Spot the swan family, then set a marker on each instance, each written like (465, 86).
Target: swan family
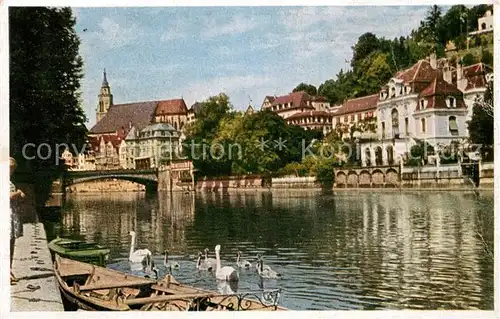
(143, 257)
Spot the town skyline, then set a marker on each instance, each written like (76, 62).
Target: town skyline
(125, 43)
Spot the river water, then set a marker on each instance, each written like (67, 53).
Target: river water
(347, 250)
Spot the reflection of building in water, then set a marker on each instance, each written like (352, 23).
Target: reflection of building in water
(176, 213)
(107, 220)
(427, 246)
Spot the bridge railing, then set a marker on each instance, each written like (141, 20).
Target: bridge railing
(114, 172)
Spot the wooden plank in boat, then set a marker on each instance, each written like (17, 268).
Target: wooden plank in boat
(110, 285)
(138, 301)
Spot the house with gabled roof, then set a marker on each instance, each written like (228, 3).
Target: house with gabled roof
(300, 108)
(424, 102)
(115, 121)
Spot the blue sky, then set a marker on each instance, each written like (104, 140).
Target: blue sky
(246, 52)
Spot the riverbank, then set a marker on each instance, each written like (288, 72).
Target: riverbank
(37, 288)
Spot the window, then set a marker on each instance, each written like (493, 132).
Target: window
(406, 126)
(422, 122)
(422, 104)
(483, 26)
(395, 123)
(451, 102)
(393, 91)
(453, 125)
(352, 118)
(346, 119)
(383, 129)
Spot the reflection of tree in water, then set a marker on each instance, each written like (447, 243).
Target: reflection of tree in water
(396, 247)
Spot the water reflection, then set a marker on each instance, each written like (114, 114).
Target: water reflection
(340, 251)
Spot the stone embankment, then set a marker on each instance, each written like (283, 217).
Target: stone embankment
(37, 288)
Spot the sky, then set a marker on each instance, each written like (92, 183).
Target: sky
(246, 52)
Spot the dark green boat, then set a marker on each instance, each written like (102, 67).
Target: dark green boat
(80, 250)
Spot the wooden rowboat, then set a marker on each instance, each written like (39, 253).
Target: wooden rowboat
(80, 250)
(91, 287)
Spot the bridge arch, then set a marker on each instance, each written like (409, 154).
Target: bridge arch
(148, 179)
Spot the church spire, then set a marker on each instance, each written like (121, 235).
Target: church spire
(105, 80)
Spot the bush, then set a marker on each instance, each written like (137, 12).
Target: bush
(487, 57)
(468, 59)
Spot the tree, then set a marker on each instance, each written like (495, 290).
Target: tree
(367, 43)
(453, 23)
(45, 74)
(377, 73)
(199, 144)
(433, 26)
(482, 122)
(468, 59)
(487, 57)
(308, 88)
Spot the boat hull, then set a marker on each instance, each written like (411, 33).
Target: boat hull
(80, 251)
(90, 287)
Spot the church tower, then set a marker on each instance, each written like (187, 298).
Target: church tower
(105, 99)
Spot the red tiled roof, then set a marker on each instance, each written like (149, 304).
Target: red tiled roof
(114, 139)
(270, 98)
(360, 104)
(420, 71)
(298, 100)
(437, 92)
(119, 117)
(440, 86)
(319, 99)
(177, 106)
(476, 75)
(139, 114)
(95, 141)
(308, 114)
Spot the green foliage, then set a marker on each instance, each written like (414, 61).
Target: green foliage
(308, 88)
(248, 144)
(419, 153)
(377, 72)
(45, 74)
(375, 59)
(468, 59)
(487, 57)
(482, 122)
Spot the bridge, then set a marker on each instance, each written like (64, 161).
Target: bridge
(176, 176)
(146, 177)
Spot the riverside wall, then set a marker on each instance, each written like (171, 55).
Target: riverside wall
(112, 185)
(443, 177)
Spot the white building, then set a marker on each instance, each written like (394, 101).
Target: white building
(484, 24)
(424, 102)
(148, 147)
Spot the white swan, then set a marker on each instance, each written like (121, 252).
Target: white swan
(266, 271)
(242, 263)
(170, 264)
(227, 273)
(138, 255)
(209, 263)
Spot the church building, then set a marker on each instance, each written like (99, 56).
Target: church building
(108, 137)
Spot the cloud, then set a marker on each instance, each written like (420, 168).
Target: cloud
(230, 85)
(111, 34)
(238, 24)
